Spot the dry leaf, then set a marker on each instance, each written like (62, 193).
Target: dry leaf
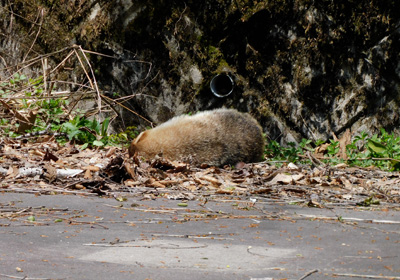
(36, 152)
(321, 150)
(341, 165)
(293, 166)
(111, 152)
(286, 179)
(93, 168)
(12, 172)
(79, 187)
(131, 183)
(50, 173)
(223, 191)
(212, 180)
(343, 142)
(130, 170)
(50, 156)
(155, 184)
(347, 184)
(25, 122)
(88, 174)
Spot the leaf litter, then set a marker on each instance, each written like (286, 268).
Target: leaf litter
(48, 168)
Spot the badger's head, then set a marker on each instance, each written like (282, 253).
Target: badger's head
(134, 147)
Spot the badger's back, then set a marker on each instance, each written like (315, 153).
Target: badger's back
(217, 137)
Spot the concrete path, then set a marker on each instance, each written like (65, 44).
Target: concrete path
(80, 237)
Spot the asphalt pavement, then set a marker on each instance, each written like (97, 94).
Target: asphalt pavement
(90, 237)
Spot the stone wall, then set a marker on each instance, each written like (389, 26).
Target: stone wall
(305, 69)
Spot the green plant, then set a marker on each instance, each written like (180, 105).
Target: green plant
(387, 147)
(333, 148)
(52, 107)
(381, 150)
(4, 122)
(125, 137)
(353, 150)
(17, 78)
(305, 144)
(87, 132)
(369, 201)
(290, 153)
(9, 87)
(48, 111)
(319, 142)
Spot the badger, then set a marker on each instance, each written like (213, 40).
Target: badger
(217, 137)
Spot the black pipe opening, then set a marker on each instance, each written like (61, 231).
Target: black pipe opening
(222, 85)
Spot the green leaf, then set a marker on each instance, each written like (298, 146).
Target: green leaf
(95, 126)
(376, 146)
(69, 126)
(368, 202)
(98, 143)
(73, 133)
(31, 218)
(84, 146)
(104, 127)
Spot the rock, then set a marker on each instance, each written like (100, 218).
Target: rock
(307, 69)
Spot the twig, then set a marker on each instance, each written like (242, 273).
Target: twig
(351, 219)
(30, 62)
(62, 62)
(86, 223)
(34, 60)
(213, 211)
(308, 274)
(39, 133)
(373, 158)
(135, 245)
(25, 278)
(95, 87)
(315, 160)
(123, 106)
(145, 86)
(83, 67)
(179, 19)
(126, 61)
(23, 210)
(366, 276)
(41, 191)
(197, 236)
(37, 35)
(145, 210)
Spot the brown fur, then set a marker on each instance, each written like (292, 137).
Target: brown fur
(217, 137)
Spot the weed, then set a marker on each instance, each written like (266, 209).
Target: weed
(333, 148)
(87, 132)
(291, 153)
(276, 152)
(381, 150)
(51, 113)
(124, 137)
(369, 202)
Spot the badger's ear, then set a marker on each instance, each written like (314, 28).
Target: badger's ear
(132, 148)
(141, 137)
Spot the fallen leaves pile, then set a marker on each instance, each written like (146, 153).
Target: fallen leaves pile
(43, 167)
